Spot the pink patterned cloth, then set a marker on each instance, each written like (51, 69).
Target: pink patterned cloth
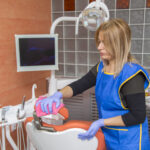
(39, 111)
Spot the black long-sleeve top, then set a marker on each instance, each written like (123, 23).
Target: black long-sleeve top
(132, 94)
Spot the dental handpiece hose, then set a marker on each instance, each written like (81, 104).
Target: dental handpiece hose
(3, 127)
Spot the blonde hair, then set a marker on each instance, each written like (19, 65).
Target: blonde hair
(117, 40)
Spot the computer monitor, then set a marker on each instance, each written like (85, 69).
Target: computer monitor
(36, 52)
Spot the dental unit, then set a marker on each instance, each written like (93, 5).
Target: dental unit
(12, 117)
(43, 131)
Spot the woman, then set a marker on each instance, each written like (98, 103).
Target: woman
(120, 91)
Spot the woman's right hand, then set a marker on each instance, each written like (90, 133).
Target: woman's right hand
(56, 97)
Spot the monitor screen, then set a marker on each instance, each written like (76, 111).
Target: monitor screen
(37, 52)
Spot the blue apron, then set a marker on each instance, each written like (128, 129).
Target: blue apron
(109, 105)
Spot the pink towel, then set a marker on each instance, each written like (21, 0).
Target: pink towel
(39, 111)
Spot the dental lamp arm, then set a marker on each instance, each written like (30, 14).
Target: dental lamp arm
(52, 83)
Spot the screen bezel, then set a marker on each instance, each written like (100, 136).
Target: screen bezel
(38, 67)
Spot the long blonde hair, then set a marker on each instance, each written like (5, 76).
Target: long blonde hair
(117, 40)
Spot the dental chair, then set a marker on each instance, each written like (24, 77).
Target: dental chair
(52, 134)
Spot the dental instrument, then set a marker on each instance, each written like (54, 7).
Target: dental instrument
(21, 111)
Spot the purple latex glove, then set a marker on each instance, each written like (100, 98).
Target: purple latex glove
(92, 130)
(49, 101)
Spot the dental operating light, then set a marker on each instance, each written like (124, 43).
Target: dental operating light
(93, 15)
(92, 18)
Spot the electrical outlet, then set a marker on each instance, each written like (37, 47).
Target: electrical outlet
(13, 127)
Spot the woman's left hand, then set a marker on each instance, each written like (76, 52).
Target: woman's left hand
(92, 130)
